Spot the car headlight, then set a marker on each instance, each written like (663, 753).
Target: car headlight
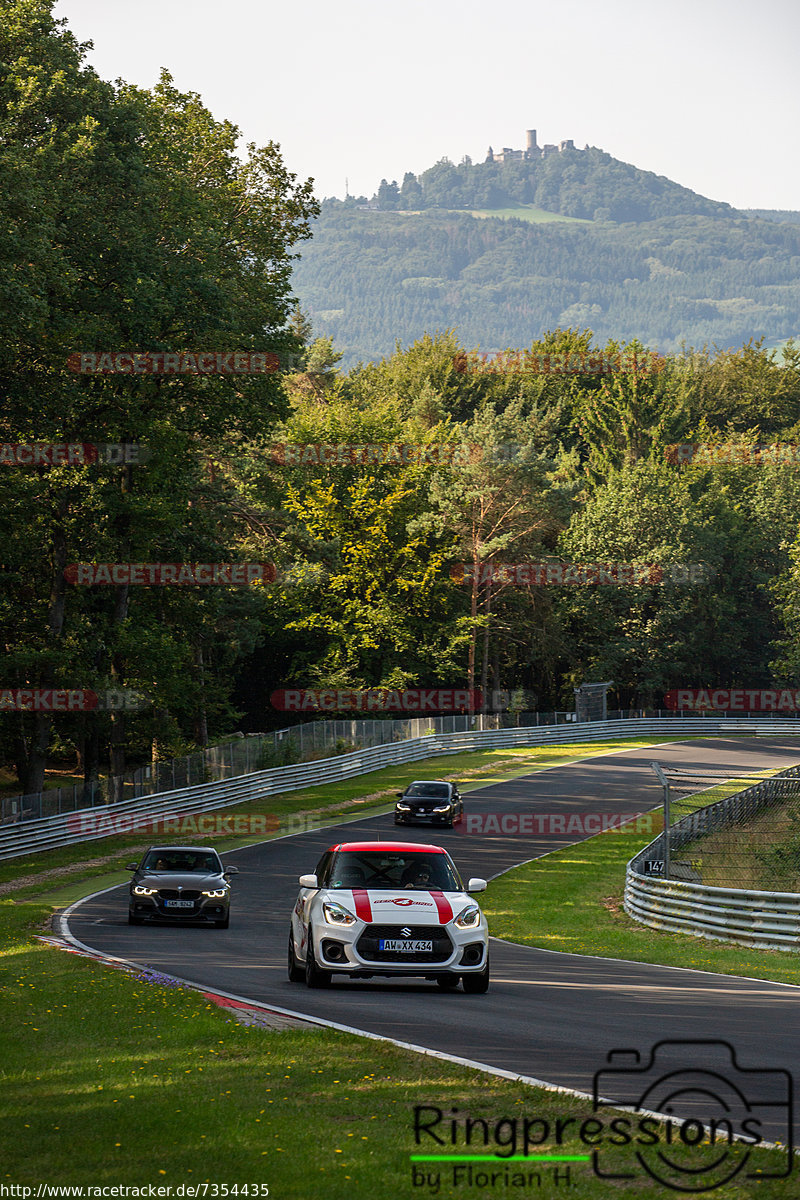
(335, 914)
(216, 893)
(405, 807)
(442, 808)
(141, 890)
(469, 918)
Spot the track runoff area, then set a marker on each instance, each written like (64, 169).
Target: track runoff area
(565, 1020)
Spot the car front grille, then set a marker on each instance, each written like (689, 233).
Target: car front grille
(173, 894)
(367, 944)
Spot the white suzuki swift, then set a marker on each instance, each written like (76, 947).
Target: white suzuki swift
(388, 908)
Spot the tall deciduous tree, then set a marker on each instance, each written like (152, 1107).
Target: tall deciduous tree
(133, 226)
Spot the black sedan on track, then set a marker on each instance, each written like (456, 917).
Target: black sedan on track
(180, 883)
(429, 802)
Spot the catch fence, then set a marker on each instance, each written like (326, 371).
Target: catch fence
(727, 865)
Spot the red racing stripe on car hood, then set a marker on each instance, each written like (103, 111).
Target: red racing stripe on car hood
(363, 906)
(442, 907)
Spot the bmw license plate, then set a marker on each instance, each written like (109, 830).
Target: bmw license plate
(404, 945)
(179, 904)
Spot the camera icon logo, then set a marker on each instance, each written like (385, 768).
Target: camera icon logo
(696, 1115)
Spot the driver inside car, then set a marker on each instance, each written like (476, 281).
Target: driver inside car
(418, 875)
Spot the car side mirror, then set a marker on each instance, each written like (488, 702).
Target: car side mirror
(132, 867)
(400, 795)
(231, 871)
(477, 885)
(308, 881)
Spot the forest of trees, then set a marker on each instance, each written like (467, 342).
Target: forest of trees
(371, 278)
(134, 226)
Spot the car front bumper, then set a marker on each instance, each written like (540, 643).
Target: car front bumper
(350, 951)
(418, 818)
(153, 908)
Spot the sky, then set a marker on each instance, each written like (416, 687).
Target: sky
(705, 92)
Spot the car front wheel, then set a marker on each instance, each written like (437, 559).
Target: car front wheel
(296, 973)
(315, 978)
(479, 982)
(447, 982)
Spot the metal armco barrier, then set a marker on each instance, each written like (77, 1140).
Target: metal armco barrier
(761, 920)
(24, 836)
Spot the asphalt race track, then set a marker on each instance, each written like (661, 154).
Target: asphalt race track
(547, 1015)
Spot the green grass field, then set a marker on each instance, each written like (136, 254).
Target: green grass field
(525, 212)
(113, 1079)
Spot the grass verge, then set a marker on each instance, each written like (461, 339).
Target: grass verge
(571, 900)
(108, 1079)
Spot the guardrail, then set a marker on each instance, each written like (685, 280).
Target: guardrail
(24, 836)
(761, 920)
(242, 755)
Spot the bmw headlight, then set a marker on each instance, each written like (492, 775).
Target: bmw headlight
(469, 918)
(442, 808)
(141, 890)
(405, 807)
(335, 914)
(216, 893)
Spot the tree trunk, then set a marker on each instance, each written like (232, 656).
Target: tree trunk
(473, 640)
(117, 740)
(201, 716)
(31, 753)
(485, 664)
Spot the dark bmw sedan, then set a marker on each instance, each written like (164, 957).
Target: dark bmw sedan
(429, 802)
(184, 883)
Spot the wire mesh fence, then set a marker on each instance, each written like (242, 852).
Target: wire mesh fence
(283, 747)
(255, 752)
(741, 832)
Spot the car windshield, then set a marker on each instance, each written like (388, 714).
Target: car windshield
(184, 861)
(393, 870)
(437, 790)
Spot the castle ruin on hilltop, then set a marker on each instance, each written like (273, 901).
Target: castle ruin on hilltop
(532, 150)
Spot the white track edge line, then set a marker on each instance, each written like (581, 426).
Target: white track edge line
(442, 1055)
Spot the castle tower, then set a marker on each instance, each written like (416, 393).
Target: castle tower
(490, 155)
(530, 140)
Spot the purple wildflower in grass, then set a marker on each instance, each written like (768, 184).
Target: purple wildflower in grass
(158, 978)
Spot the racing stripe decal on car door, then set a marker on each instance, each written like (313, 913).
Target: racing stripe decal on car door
(442, 907)
(363, 906)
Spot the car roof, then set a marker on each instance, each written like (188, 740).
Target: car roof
(414, 782)
(182, 849)
(393, 847)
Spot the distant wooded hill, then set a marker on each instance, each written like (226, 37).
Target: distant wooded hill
(589, 184)
(646, 258)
